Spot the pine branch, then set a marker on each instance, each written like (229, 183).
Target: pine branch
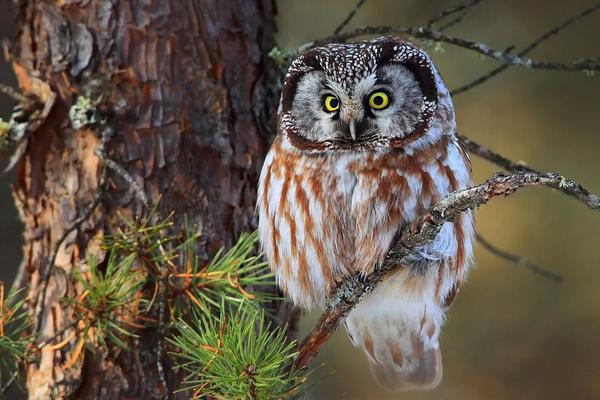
(422, 231)
(236, 355)
(14, 343)
(234, 277)
(109, 305)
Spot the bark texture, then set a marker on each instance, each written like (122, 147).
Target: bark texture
(185, 85)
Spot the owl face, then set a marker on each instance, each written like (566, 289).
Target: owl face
(355, 96)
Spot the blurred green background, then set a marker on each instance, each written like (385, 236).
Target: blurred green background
(510, 334)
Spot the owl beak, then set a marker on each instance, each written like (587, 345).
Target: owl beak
(352, 128)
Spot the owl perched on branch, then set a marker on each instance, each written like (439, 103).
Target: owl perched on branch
(366, 143)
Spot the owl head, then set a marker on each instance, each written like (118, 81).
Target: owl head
(377, 94)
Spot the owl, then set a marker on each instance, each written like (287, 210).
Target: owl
(366, 143)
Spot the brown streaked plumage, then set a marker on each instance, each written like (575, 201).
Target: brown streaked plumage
(343, 178)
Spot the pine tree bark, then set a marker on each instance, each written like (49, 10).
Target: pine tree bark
(186, 87)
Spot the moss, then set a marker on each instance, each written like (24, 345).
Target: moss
(83, 113)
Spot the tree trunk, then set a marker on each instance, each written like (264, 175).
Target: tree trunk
(186, 87)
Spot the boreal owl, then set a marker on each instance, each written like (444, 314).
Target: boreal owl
(366, 143)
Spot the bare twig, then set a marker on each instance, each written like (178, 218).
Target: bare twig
(349, 17)
(518, 260)
(122, 172)
(548, 34)
(422, 231)
(589, 64)
(47, 341)
(14, 94)
(161, 332)
(10, 382)
(568, 187)
(464, 9)
(490, 155)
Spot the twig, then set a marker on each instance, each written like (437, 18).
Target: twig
(454, 21)
(551, 32)
(39, 307)
(9, 383)
(47, 341)
(122, 172)
(466, 7)
(141, 196)
(568, 187)
(349, 17)
(590, 64)
(492, 156)
(161, 332)
(518, 260)
(12, 92)
(420, 232)
(459, 18)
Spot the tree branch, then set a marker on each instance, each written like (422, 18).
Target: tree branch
(425, 32)
(14, 94)
(548, 34)
(422, 231)
(465, 8)
(349, 17)
(568, 186)
(517, 260)
(10, 382)
(589, 64)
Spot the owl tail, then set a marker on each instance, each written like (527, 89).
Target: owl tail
(397, 326)
(418, 369)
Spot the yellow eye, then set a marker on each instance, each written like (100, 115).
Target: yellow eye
(331, 103)
(379, 100)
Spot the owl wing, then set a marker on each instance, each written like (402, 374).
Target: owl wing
(464, 152)
(398, 324)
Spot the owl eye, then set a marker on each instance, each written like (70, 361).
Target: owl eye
(379, 100)
(331, 103)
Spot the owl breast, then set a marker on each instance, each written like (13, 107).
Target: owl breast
(324, 216)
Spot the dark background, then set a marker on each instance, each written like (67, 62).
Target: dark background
(510, 334)
(10, 226)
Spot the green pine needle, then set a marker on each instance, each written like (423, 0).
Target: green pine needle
(148, 240)
(235, 276)
(109, 303)
(14, 321)
(237, 355)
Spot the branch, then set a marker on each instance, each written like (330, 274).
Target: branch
(422, 231)
(162, 287)
(14, 94)
(465, 8)
(517, 260)
(568, 186)
(9, 383)
(548, 34)
(423, 32)
(349, 17)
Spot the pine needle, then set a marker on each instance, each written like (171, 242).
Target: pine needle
(236, 355)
